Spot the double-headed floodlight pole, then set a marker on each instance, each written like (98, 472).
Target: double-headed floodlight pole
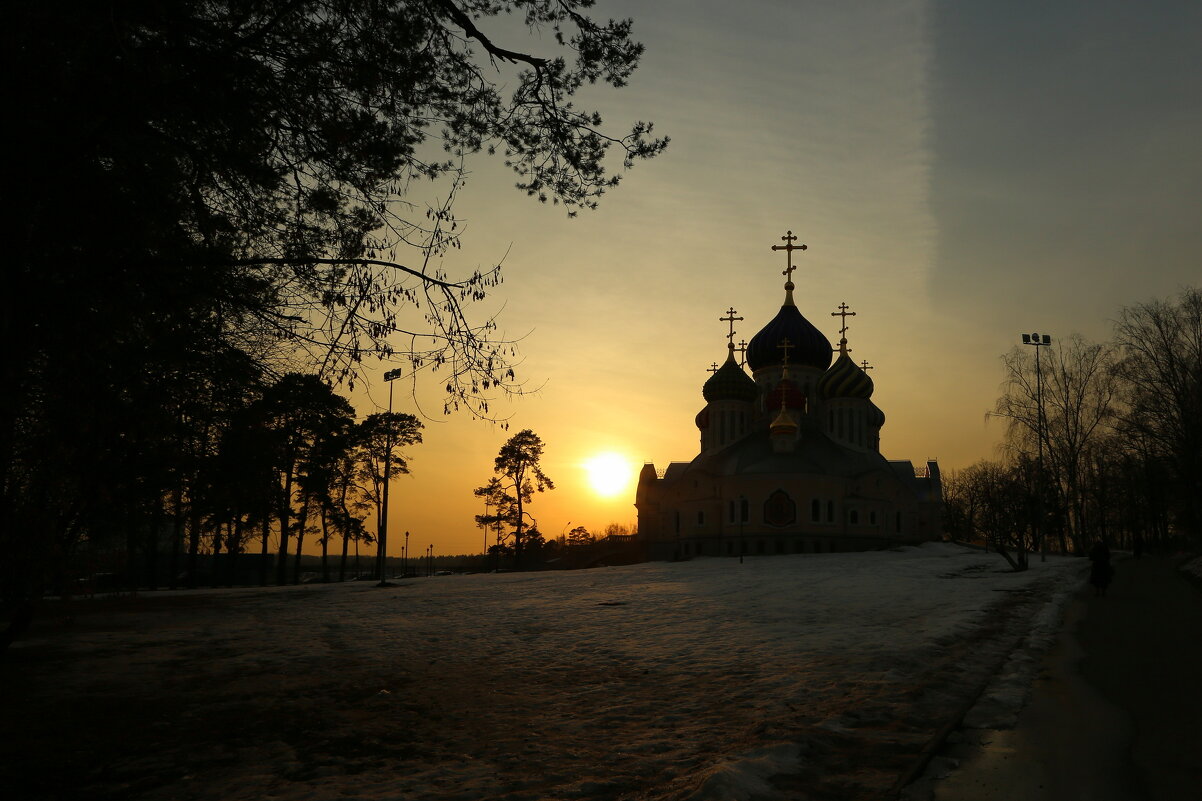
(1038, 341)
(382, 534)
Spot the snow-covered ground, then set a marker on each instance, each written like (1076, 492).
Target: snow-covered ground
(789, 676)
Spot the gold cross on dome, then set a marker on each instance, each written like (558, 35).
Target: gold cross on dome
(713, 368)
(844, 313)
(865, 365)
(731, 319)
(788, 248)
(786, 346)
(742, 351)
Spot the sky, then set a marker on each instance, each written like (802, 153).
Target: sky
(961, 172)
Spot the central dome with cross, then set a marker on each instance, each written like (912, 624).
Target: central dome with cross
(804, 345)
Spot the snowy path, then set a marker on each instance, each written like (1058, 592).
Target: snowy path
(695, 680)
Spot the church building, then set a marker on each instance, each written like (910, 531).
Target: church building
(790, 457)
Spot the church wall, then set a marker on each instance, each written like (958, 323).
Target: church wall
(845, 420)
(726, 422)
(722, 516)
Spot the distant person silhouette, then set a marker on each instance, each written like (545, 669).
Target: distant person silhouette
(1100, 573)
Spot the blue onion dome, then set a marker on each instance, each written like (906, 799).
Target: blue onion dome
(786, 395)
(809, 348)
(730, 382)
(845, 379)
(876, 418)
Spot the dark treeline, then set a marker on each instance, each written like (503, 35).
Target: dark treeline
(260, 471)
(213, 224)
(1117, 455)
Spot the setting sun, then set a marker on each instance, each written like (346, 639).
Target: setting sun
(608, 473)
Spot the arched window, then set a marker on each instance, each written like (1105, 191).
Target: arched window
(830, 511)
(853, 517)
(779, 509)
(815, 511)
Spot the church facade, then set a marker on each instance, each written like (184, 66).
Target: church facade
(789, 457)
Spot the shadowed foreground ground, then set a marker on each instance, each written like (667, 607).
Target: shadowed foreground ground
(1116, 713)
(820, 677)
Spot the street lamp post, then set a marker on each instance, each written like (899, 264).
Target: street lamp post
(1039, 341)
(742, 542)
(382, 534)
(405, 557)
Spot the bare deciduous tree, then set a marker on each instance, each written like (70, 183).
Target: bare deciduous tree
(1079, 388)
(1161, 366)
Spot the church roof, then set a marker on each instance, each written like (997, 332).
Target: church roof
(845, 379)
(876, 418)
(784, 423)
(815, 454)
(730, 382)
(807, 346)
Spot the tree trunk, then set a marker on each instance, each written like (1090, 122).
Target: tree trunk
(517, 537)
(215, 578)
(235, 549)
(263, 551)
(152, 544)
(285, 519)
(177, 534)
(301, 522)
(193, 544)
(342, 564)
(325, 547)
